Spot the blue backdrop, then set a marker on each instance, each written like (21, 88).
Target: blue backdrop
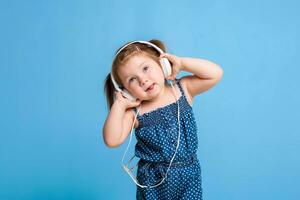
(56, 54)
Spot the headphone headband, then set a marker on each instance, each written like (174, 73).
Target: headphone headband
(126, 45)
(142, 42)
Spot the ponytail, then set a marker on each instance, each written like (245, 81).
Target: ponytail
(109, 91)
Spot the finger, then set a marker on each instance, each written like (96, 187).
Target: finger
(162, 55)
(120, 95)
(165, 55)
(170, 77)
(173, 74)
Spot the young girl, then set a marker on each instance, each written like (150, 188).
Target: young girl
(167, 168)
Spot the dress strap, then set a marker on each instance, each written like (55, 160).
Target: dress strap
(180, 87)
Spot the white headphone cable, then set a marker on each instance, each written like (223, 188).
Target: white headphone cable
(125, 167)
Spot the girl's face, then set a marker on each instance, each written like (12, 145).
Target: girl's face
(142, 77)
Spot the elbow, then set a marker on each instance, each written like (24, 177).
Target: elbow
(219, 74)
(217, 77)
(220, 70)
(110, 143)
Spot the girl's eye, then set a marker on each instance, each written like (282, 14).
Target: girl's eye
(146, 68)
(131, 79)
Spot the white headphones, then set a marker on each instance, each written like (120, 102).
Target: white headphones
(165, 64)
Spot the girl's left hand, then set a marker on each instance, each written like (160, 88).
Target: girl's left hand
(176, 64)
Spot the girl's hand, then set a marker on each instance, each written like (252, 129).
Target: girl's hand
(126, 103)
(176, 64)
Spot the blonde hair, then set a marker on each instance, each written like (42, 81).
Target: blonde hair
(121, 59)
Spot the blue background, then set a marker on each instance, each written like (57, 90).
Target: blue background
(56, 54)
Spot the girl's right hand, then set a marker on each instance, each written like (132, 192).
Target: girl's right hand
(126, 103)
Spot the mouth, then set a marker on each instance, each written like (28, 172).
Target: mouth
(150, 88)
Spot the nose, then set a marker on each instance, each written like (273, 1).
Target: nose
(143, 80)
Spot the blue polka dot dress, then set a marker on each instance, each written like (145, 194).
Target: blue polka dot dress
(157, 136)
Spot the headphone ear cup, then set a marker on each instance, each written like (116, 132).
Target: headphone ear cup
(166, 67)
(124, 92)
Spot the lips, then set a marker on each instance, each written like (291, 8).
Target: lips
(150, 87)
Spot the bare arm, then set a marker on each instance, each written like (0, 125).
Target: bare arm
(206, 73)
(118, 123)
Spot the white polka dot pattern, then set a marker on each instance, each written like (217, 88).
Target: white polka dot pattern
(156, 143)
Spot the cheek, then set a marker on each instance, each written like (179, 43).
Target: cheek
(135, 90)
(158, 76)
(157, 73)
